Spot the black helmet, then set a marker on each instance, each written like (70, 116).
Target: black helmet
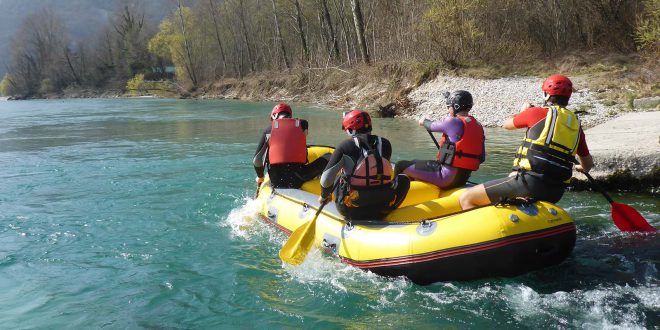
(459, 100)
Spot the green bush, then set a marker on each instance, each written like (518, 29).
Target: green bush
(46, 87)
(647, 32)
(138, 86)
(5, 86)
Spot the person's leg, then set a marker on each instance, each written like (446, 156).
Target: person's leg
(544, 189)
(493, 191)
(473, 197)
(401, 165)
(401, 186)
(433, 172)
(315, 168)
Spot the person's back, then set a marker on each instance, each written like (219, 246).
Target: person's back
(546, 157)
(283, 151)
(461, 149)
(360, 174)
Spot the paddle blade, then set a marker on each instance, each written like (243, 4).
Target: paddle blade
(299, 243)
(628, 219)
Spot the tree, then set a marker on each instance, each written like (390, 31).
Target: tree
(279, 36)
(359, 28)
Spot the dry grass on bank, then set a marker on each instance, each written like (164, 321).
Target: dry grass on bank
(617, 79)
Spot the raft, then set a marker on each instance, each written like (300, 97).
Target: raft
(429, 238)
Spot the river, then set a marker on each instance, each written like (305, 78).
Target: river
(137, 213)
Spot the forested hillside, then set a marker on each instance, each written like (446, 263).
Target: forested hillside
(82, 18)
(210, 40)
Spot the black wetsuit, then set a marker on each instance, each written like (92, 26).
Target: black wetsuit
(285, 175)
(361, 203)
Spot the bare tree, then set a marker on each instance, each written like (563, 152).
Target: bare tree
(279, 36)
(359, 28)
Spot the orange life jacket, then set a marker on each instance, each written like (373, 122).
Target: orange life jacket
(287, 143)
(371, 168)
(467, 152)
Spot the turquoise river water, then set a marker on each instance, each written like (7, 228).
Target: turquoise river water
(137, 213)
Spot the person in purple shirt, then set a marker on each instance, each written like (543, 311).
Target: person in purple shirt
(461, 148)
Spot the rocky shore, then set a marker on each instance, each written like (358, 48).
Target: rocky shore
(626, 152)
(498, 99)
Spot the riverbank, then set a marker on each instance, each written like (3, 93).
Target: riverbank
(626, 153)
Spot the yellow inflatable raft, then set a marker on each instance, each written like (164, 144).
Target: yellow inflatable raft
(429, 239)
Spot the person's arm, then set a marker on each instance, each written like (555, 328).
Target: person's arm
(439, 126)
(583, 155)
(335, 164)
(586, 164)
(386, 148)
(260, 156)
(305, 126)
(508, 124)
(525, 119)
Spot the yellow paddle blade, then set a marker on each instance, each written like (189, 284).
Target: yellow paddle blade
(299, 243)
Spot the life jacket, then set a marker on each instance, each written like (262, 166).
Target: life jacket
(550, 146)
(287, 142)
(371, 169)
(467, 152)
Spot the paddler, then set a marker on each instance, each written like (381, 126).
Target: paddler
(545, 160)
(360, 173)
(461, 149)
(282, 150)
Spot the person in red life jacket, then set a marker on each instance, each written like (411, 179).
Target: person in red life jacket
(282, 150)
(461, 150)
(360, 173)
(545, 159)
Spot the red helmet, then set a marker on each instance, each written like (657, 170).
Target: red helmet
(279, 109)
(557, 85)
(356, 120)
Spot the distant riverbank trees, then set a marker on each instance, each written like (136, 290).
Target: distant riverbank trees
(208, 40)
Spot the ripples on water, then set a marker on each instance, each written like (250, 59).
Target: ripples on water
(138, 214)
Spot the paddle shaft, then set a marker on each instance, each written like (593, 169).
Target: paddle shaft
(598, 187)
(434, 140)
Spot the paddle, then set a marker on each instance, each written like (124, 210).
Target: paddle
(256, 194)
(624, 216)
(295, 249)
(434, 140)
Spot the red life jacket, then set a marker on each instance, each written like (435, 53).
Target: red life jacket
(467, 152)
(371, 168)
(287, 143)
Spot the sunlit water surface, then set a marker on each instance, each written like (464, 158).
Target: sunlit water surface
(138, 214)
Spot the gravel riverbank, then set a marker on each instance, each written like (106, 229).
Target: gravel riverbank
(498, 99)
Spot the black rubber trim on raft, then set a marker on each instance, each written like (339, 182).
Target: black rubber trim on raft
(516, 256)
(461, 250)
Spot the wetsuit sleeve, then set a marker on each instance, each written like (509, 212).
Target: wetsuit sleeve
(304, 124)
(582, 150)
(336, 163)
(529, 117)
(387, 149)
(260, 155)
(439, 126)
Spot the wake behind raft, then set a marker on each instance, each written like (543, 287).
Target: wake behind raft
(428, 238)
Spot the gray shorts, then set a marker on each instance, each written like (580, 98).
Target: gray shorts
(525, 185)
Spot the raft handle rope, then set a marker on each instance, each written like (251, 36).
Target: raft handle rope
(352, 223)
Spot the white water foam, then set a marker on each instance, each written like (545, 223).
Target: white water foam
(617, 307)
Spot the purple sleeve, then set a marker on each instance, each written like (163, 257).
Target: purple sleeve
(451, 126)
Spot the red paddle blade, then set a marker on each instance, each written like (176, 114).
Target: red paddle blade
(628, 219)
